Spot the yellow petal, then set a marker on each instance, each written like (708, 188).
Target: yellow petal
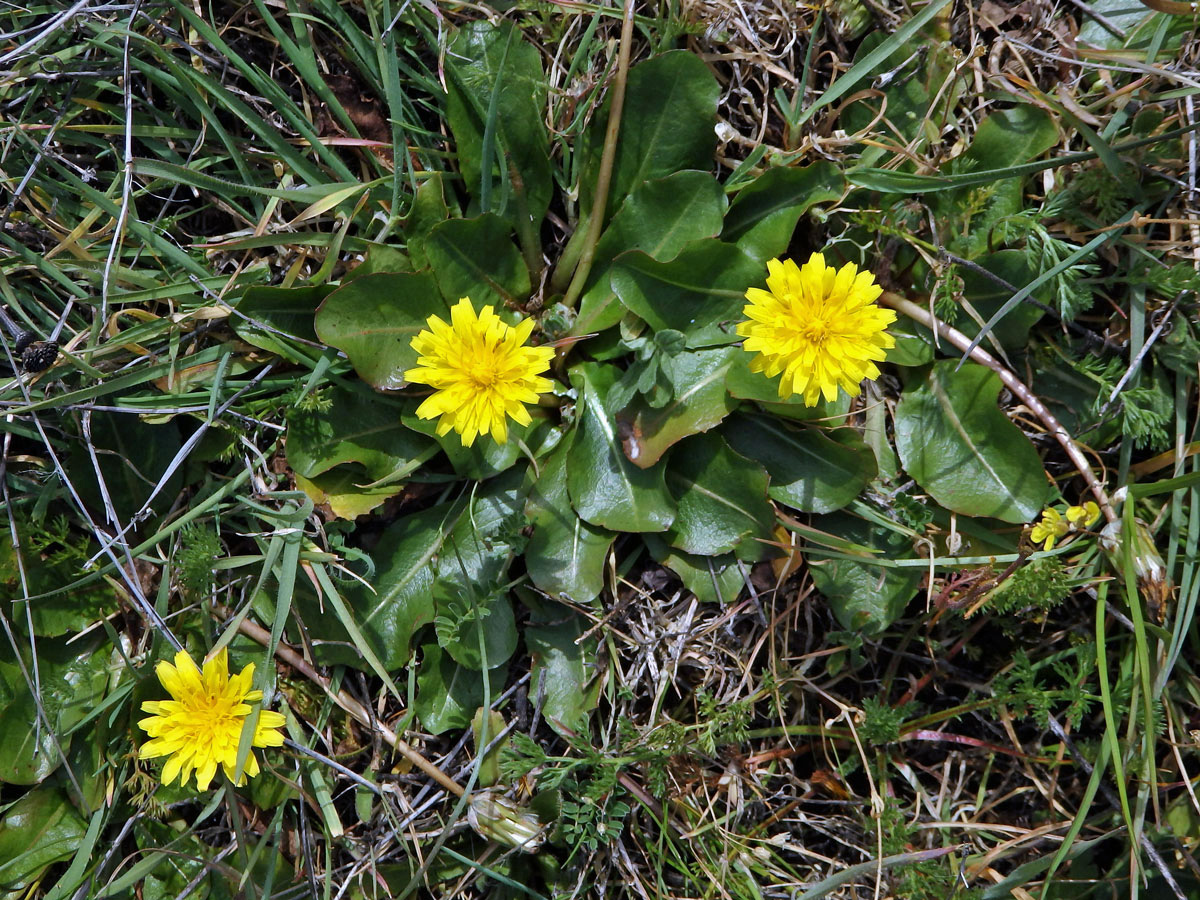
(171, 769)
(205, 772)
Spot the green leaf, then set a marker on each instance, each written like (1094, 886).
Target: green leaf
(495, 105)
(463, 624)
(373, 320)
(809, 470)
(265, 310)
(963, 450)
(399, 599)
(53, 557)
(476, 258)
(721, 497)
(764, 214)
(478, 547)
(713, 579)
(606, 489)
(699, 402)
(380, 258)
(744, 384)
(667, 125)
(701, 292)
(72, 679)
(565, 555)
(133, 457)
(1009, 136)
(1126, 16)
(663, 216)
(660, 218)
(914, 343)
(889, 181)
(38, 830)
(564, 668)
(462, 547)
(485, 458)
(347, 491)
(359, 426)
(864, 596)
(429, 209)
(448, 694)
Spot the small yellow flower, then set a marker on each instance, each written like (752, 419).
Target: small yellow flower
(481, 372)
(200, 726)
(817, 325)
(1049, 529)
(1084, 516)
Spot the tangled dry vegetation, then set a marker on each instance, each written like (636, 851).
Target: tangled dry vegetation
(169, 164)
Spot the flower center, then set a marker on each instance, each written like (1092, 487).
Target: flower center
(815, 331)
(483, 372)
(211, 712)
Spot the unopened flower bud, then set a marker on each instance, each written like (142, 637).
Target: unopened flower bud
(499, 819)
(1148, 564)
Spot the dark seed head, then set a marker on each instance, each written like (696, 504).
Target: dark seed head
(39, 356)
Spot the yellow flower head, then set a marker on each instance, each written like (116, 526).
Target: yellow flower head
(1084, 516)
(1049, 529)
(817, 325)
(481, 372)
(201, 725)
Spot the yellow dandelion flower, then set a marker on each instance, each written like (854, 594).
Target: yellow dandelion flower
(817, 325)
(1084, 516)
(200, 727)
(481, 372)
(1049, 529)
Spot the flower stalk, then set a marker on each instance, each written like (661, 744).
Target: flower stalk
(595, 222)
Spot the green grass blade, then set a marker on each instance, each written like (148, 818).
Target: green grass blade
(1111, 735)
(869, 63)
(1085, 805)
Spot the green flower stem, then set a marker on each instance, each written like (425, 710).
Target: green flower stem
(1014, 384)
(560, 278)
(604, 177)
